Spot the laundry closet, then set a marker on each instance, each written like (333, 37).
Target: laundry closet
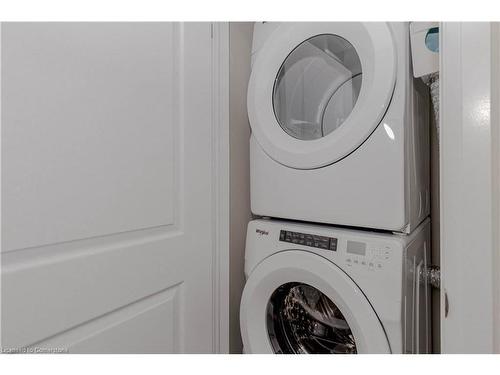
(250, 187)
(343, 174)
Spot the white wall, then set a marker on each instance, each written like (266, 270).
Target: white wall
(240, 43)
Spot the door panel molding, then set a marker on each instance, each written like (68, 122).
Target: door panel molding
(157, 310)
(76, 177)
(124, 273)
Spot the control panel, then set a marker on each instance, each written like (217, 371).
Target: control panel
(311, 240)
(373, 258)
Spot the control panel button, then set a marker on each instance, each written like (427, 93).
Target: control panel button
(333, 244)
(311, 240)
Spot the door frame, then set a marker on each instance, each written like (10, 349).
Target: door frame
(469, 174)
(220, 183)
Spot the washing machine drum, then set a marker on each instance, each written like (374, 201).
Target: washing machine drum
(318, 90)
(299, 302)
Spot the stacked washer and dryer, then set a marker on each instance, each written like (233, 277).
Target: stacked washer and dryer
(340, 176)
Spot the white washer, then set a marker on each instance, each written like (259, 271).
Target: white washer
(318, 289)
(339, 125)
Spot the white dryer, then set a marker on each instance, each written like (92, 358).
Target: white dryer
(318, 289)
(339, 125)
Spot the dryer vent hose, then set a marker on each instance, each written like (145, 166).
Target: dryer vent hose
(431, 275)
(432, 80)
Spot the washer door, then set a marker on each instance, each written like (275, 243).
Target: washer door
(299, 302)
(318, 90)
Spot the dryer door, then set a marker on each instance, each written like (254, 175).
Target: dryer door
(299, 302)
(318, 90)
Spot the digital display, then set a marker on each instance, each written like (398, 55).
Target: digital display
(312, 240)
(358, 248)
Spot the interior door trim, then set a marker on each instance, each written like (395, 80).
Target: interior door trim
(220, 183)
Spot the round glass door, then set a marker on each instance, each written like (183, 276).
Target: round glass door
(298, 302)
(317, 87)
(301, 319)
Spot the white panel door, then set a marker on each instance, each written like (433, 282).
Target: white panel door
(107, 187)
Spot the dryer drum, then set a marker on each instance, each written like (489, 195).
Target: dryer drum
(317, 87)
(301, 319)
